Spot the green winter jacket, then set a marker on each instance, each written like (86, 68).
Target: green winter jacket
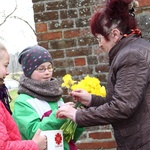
(29, 116)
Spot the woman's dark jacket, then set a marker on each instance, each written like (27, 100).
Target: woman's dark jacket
(127, 104)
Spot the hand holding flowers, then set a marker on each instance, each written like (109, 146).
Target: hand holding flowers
(66, 111)
(80, 90)
(89, 84)
(81, 96)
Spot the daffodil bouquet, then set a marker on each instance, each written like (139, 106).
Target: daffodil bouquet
(89, 84)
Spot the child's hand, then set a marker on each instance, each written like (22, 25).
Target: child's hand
(40, 140)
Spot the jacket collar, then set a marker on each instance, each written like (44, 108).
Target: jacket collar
(120, 45)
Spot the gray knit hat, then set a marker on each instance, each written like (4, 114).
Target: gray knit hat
(32, 57)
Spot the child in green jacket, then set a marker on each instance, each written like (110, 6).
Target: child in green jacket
(39, 96)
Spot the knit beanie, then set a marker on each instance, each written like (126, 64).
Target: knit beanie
(32, 57)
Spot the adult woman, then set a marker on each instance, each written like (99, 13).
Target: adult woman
(126, 106)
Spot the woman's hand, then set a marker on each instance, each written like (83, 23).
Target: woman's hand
(81, 96)
(66, 111)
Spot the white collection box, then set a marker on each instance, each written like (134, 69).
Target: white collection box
(54, 139)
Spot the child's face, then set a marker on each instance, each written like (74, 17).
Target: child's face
(43, 72)
(4, 62)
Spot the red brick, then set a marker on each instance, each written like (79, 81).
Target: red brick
(57, 54)
(56, 5)
(38, 7)
(63, 63)
(78, 52)
(59, 72)
(96, 145)
(45, 16)
(86, 40)
(49, 36)
(82, 22)
(100, 135)
(44, 44)
(85, 12)
(80, 61)
(63, 43)
(41, 27)
(85, 32)
(71, 33)
(102, 68)
(109, 144)
(65, 14)
(144, 3)
(64, 24)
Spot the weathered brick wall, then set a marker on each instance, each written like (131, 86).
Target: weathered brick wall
(62, 26)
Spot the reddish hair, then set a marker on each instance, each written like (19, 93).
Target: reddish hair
(115, 14)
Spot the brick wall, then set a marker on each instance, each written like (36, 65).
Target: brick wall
(62, 26)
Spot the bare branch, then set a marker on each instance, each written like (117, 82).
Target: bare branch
(16, 17)
(9, 15)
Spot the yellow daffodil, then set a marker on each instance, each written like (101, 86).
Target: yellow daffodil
(68, 82)
(89, 84)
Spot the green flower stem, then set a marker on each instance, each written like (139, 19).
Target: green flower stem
(69, 127)
(78, 105)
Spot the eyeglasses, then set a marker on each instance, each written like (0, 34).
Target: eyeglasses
(99, 37)
(43, 69)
